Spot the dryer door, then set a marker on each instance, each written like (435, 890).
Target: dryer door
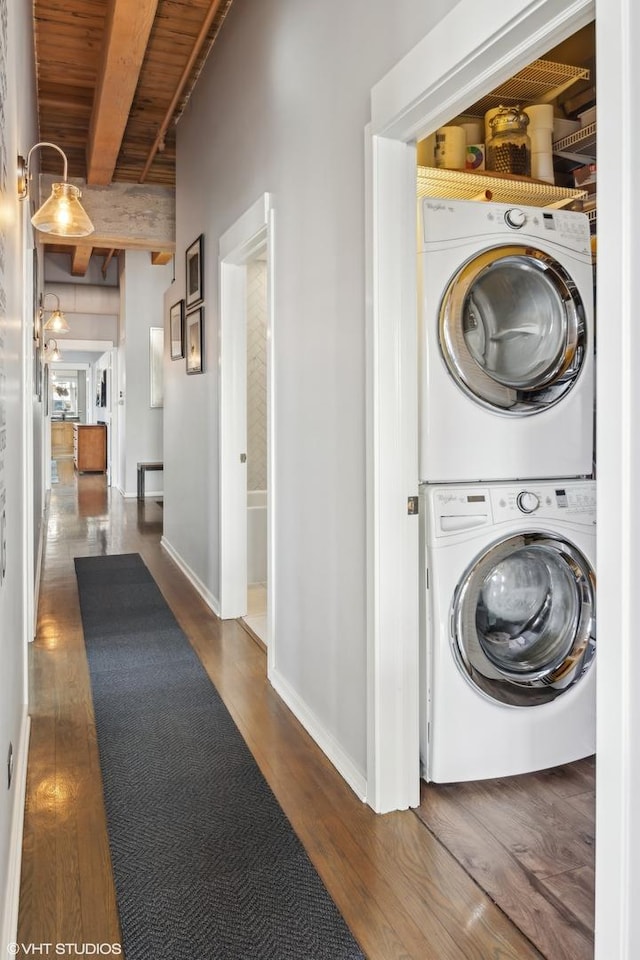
(512, 330)
(524, 619)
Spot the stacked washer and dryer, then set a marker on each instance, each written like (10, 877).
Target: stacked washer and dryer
(508, 503)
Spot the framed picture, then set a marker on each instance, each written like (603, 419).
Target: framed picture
(194, 284)
(193, 341)
(176, 330)
(156, 356)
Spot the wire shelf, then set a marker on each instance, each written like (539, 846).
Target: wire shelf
(541, 82)
(459, 185)
(582, 142)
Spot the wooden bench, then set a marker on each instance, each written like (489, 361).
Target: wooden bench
(143, 466)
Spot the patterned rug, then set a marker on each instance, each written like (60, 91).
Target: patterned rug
(206, 864)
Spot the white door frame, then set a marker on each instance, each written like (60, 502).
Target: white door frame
(472, 50)
(250, 235)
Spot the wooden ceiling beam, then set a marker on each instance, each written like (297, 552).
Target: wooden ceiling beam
(158, 143)
(80, 257)
(160, 257)
(107, 261)
(125, 216)
(127, 33)
(115, 241)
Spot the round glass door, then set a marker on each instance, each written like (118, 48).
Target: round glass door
(524, 619)
(512, 330)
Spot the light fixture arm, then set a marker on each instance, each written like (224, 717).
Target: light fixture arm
(52, 353)
(57, 320)
(49, 293)
(24, 170)
(62, 214)
(46, 143)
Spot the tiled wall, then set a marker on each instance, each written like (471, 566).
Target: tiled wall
(257, 375)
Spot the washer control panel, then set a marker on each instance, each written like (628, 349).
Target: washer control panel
(515, 218)
(465, 221)
(463, 508)
(528, 502)
(574, 500)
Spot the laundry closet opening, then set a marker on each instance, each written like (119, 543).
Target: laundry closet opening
(506, 267)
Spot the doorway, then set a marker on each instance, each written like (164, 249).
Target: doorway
(246, 431)
(432, 83)
(257, 488)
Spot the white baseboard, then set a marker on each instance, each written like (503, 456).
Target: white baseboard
(193, 579)
(325, 740)
(9, 931)
(38, 565)
(327, 743)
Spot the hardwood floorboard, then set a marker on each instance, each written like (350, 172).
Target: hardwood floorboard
(529, 847)
(405, 893)
(576, 890)
(545, 841)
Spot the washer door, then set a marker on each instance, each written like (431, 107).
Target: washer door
(512, 330)
(524, 619)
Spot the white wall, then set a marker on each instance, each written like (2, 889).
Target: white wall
(142, 289)
(281, 106)
(17, 412)
(57, 269)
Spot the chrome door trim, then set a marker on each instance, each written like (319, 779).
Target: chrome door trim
(553, 384)
(535, 686)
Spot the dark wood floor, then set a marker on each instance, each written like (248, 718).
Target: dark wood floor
(411, 885)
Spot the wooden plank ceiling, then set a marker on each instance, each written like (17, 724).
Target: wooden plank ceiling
(113, 77)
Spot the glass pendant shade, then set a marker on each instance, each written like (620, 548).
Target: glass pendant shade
(53, 354)
(63, 214)
(57, 322)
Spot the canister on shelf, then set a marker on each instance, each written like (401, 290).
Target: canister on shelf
(509, 147)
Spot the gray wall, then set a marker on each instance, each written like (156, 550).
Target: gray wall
(142, 289)
(281, 107)
(17, 133)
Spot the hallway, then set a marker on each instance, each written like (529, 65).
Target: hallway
(401, 892)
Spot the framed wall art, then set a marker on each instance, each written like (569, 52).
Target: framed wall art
(156, 356)
(193, 341)
(176, 330)
(194, 272)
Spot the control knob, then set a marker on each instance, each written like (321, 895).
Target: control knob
(527, 502)
(515, 218)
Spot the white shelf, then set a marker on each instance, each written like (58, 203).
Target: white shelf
(460, 185)
(580, 145)
(541, 82)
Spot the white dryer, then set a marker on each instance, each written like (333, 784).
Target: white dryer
(508, 622)
(506, 342)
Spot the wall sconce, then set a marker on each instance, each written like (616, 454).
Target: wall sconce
(52, 354)
(62, 214)
(57, 321)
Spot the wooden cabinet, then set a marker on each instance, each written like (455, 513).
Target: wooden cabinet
(61, 439)
(90, 447)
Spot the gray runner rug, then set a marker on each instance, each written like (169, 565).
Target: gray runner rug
(206, 864)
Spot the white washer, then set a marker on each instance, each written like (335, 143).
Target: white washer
(508, 622)
(506, 334)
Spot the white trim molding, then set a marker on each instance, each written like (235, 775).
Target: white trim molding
(194, 580)
(9, 929)
(617, 927)
(393, 772)
(325, 740)
(252, 235)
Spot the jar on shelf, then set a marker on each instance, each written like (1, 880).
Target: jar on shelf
(508, 149)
